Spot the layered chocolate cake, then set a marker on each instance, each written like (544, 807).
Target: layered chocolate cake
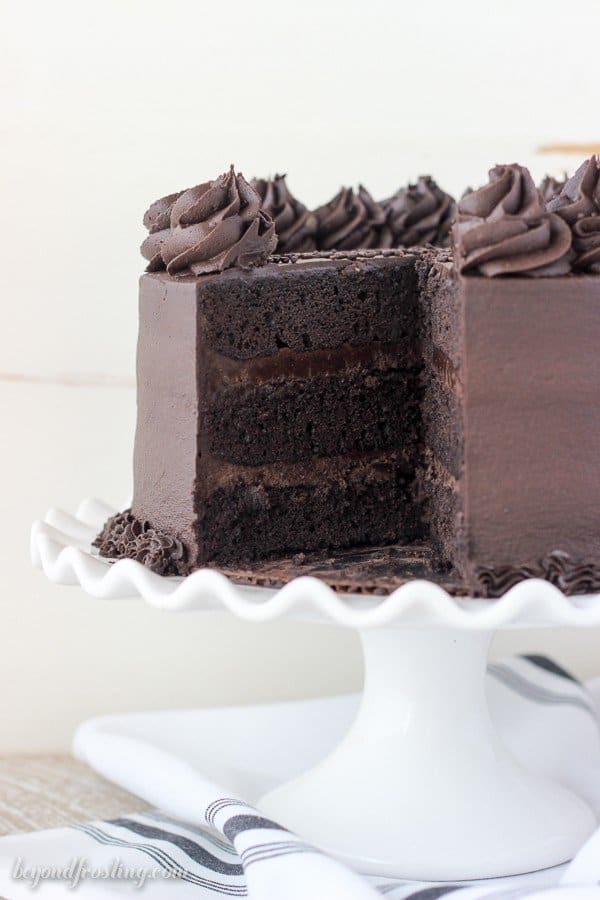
(363, 410)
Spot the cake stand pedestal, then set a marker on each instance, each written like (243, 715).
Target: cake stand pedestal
(421, 787)
(437, 795)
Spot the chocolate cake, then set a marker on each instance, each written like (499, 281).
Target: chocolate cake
(372, 412)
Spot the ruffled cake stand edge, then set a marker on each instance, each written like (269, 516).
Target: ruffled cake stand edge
(422, 743)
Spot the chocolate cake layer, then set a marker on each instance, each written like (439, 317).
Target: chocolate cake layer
(256, 512)
(318, 304)
(302, 398)
(295, 404)
(293, 419)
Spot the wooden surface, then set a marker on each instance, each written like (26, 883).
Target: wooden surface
(40, 791)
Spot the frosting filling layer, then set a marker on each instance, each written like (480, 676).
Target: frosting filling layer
(305, 364)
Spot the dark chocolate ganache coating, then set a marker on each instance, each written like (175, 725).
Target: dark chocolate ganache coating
(212, 226)
(578, 204)
(352, 221)
(504, 228)
(421, 213)
(295, 225)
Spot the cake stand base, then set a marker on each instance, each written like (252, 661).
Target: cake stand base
(421, 787)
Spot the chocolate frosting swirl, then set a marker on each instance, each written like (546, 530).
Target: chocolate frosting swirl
(586, 245)
(550, 187)
(157, 220)
(420, 213)
(504, 228)
(579, 205)
(295, 225)
(211, 227)
(352, 221)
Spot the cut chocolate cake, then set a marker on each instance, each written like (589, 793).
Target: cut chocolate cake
(296, 410)
(296, 423)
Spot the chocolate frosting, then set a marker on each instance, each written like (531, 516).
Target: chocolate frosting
(295, 225)
(126, 537)
(210, 227)
(421, 213)
(504, 228)
(157, 220)
(559, 568)
(586, 244)
(550, 187)
(352, 221)
(579, 205)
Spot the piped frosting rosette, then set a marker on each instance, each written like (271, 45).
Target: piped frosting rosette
(578, 204)
(157, 220)
(352, 221)
(420, 213)
(504, 228)
(211, 227)
(295, 225)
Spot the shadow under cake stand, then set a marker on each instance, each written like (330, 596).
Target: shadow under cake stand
(422, 744)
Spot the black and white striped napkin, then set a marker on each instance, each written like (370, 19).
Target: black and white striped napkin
(207, 842)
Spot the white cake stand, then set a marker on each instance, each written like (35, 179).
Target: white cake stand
(423, 740)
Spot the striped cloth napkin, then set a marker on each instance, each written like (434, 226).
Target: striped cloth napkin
(206, 842)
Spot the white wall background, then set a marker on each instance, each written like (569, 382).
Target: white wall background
(105, 107)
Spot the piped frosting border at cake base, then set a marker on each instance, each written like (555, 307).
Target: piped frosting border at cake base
(559, 568)
(126, 537)
(370, 570)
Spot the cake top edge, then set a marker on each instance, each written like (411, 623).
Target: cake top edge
(439, 253)
(319, 259)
